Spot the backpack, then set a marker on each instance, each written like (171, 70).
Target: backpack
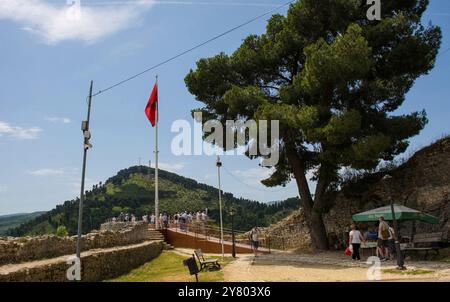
(391, 233)
(385, 233)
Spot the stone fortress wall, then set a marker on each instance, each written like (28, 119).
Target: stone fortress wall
(22, 249)
(110, 252)
(422, 182)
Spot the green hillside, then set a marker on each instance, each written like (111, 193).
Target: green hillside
(12, 221)
(132, 191)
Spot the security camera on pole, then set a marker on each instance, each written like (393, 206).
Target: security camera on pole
(219, 164)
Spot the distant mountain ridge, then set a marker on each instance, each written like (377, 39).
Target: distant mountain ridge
(14, 220)
(12, 215)
(132, 191)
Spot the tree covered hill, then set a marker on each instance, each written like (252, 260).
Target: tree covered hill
(132, 191)
(14, 220)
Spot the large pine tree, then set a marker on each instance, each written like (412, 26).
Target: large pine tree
(334, 80)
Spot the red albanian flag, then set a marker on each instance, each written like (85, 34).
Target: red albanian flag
(151, 108)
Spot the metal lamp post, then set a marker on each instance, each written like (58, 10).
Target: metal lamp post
(86, 146)
(219, 164)
(233, 249)
(400, 260)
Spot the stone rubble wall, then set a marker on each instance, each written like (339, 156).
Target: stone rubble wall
(23, 249)
(290, 233)
(422, 183)
(97, 265)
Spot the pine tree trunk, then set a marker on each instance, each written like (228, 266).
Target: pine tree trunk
(311, 209)
(318, 232)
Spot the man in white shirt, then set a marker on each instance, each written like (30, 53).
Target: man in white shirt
(254, 239)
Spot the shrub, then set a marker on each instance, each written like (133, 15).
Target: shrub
(61, 231)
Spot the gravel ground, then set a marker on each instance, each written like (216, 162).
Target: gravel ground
(324, 267)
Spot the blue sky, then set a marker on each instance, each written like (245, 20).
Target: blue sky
(46, 66)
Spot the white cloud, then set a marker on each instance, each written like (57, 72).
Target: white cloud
(46, 172)
(62, 120)
(176, 167)
(19, 132)
(55, 23)
(253, 176)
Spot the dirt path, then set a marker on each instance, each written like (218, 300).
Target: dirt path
(322, 267)
(247, 268)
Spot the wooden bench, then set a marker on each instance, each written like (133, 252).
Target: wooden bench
(204, 263)
(426, 243)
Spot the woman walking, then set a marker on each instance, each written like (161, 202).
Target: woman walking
(355, 240)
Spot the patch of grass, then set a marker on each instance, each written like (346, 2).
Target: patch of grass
(168, 267)
(412, 272)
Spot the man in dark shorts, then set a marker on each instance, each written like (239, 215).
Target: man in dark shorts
(383, 236)
(391, 244)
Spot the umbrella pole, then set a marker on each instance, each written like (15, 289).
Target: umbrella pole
(413, 231)
(400, 260)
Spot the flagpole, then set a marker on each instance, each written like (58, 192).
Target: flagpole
(157, 226)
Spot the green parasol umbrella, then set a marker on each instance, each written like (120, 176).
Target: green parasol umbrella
(401, 213)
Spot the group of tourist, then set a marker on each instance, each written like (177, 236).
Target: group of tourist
(384, 236)
(181, 218)
(124, 217)
(190, 216)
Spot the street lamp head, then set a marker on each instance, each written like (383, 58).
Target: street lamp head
(218, 163)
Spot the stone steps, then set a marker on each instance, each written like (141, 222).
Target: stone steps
(156, 235)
